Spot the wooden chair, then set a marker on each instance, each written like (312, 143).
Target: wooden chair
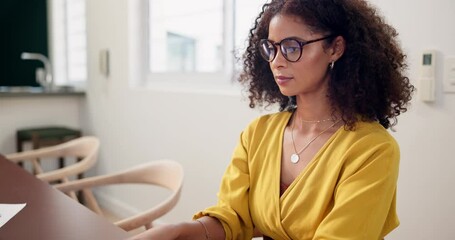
(163, 173)
(84, 148)
(46, 136)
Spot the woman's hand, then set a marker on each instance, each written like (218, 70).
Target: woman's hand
(205, 228)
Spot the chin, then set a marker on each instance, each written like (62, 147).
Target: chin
(287, 92)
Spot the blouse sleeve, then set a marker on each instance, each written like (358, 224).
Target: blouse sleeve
(365, 196)
(232, 209)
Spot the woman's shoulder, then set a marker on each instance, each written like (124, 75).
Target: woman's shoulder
(271, 119)
(267, 124)
(268, 127)
(370, 132)
(369, 141)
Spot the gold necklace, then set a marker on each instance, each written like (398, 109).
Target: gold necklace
(295, 157)
(315, 121)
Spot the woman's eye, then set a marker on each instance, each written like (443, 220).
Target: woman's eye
(291, 49)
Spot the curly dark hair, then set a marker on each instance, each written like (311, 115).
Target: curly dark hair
(367, 81)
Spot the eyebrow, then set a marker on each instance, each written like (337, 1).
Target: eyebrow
(290, 37)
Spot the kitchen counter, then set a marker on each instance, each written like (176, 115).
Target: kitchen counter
(26, 91)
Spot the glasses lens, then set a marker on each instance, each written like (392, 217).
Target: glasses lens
(267, 50)
(291, 49)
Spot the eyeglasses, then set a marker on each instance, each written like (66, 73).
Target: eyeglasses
(291, 48)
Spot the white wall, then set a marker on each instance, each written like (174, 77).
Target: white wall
(201, 130)
(426, 194)
(35, 111)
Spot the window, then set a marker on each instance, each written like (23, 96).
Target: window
(180, 51)
(68, 41)
(245, 15)
(186, 38)
(198, 41)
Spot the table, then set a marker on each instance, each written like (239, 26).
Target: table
(49, 214)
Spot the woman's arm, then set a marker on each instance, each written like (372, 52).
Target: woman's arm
(203, 228)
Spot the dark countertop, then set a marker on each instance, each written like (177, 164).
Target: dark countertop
(26, 91)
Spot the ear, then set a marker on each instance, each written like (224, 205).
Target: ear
(337, 48)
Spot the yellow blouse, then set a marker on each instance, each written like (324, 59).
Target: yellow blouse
(348, 191)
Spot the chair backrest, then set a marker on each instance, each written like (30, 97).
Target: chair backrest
(85, 148)
(164, 173)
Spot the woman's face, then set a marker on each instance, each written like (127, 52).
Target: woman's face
(307, 76)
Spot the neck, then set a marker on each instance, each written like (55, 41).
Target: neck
(313, 109)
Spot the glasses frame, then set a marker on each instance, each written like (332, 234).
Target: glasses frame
(301, 44)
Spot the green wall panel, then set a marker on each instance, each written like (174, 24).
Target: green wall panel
(23, 26)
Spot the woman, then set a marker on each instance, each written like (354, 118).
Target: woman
(324, 166)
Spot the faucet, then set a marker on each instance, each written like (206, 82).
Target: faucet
(48, 81)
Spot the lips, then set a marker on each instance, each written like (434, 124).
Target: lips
(280, 80)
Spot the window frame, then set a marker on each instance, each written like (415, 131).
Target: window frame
(204, 82)
(58, 51)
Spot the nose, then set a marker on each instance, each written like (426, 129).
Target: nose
(279, 60)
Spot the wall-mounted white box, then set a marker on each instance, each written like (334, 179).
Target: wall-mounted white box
(449, 75)
(427, 76)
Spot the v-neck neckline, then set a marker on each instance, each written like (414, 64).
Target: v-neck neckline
(310, 165)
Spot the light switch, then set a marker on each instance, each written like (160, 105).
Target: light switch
(449, 75)
(104, 62)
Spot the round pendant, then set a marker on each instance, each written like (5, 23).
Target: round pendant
(295, 158)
